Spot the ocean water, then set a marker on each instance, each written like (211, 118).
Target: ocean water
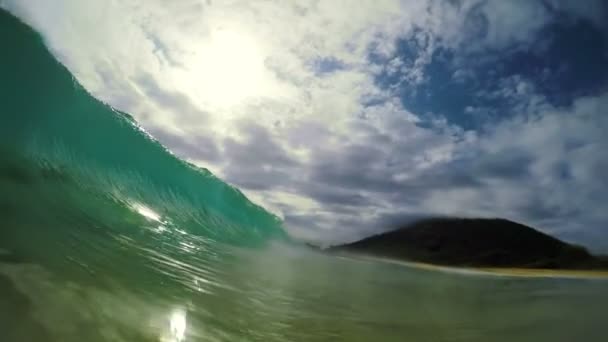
(106, 236)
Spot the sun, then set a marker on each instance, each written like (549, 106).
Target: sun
(225, 70)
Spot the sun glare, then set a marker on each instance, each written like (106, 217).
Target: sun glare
(177, 325)
(146, 212)
(226, 69)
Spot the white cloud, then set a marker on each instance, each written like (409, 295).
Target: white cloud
(510, 22)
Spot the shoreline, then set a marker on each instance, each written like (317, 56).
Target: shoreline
(493, 271)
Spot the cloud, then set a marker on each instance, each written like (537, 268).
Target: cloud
(283, 99)
(512, 22)
(595, 11)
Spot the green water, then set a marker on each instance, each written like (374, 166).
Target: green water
(105, 236)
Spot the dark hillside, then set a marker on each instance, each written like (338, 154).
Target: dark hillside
(475, 243)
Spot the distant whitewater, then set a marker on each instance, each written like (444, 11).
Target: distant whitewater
(106, 236)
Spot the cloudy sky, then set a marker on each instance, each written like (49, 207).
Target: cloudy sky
(349, 117)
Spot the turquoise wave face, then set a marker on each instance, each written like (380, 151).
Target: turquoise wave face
(53, 132)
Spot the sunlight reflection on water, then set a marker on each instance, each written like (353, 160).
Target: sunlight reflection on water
(177, 326)
(146, 212)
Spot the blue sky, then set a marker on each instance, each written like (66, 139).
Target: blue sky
(567, 61)
(348, 120)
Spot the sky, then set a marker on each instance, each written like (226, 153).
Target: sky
(350, 118)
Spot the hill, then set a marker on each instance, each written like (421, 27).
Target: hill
(475, 243)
